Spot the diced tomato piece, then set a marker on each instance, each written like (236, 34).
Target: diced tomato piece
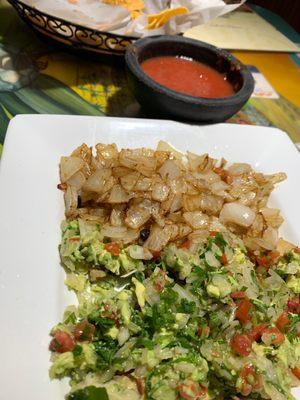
(296, 372)
(245, 389)
(224, 260)
(185, 245)
(183, 393)
(84, 331)
(247, 370)
(273, 256)
(241, 344)
(203, 390)
(62, 342)
(267, 260)
(74, 239)
(159, 286)
(283, 321)
(190, 390)
(294, 306)
(112, 248)
(263, 261)
(213, 233)
(203, 331)
(156, 255)
(238, 295)
(257, 332)
(242, 312)
(272, 336)
(250, 380)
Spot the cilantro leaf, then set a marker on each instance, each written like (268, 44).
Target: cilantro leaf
(77, 350)
(187, 307)
(144, 342)
(102, 324)
(105, 351)
(220, 241)
(89, 393)
(169, 296)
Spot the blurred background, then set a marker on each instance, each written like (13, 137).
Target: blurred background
(289, 10)
(38, 76)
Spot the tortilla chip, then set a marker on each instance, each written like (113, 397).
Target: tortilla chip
(134, 6)
(157, 20)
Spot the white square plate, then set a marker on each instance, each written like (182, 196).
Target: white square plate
(32, 292)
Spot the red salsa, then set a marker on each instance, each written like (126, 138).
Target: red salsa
(187, 76)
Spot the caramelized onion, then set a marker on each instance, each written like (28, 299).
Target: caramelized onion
(69, 166)
(172, 195)
(238, 214)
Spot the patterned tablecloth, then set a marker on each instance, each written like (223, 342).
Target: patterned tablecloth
(38, 78)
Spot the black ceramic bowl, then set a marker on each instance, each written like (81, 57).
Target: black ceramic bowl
(165, 102)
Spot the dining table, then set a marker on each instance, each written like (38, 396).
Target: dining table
(41, 78)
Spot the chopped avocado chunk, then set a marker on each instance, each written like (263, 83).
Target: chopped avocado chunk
(239, 256)
(140, 292)
(127, 263)
(293, 283)
(213, 291)
(76, 282)
(125, 311)
(113, 332)
(61, 364)
(89, 355)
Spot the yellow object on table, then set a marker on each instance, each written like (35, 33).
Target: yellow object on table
(284, 75)
(280, 70)
(134, 6)
(157, 20)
